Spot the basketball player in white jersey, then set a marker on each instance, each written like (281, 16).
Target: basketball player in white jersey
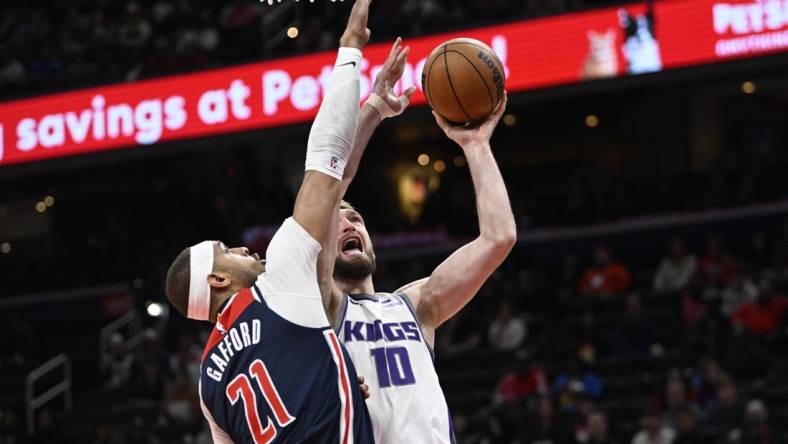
(390, 336)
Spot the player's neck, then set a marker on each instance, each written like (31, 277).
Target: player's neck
(358, 286)
(219, 297)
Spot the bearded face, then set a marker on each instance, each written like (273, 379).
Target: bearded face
(354, 268)
(355, 255)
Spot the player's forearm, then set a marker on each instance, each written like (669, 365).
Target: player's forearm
(329, 147)
(496, 220)
(368, 120)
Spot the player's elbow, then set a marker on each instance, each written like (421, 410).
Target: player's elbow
(502, 241)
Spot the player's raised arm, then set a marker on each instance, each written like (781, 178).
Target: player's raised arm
(382, 103)
(331, 137)
(460, 276)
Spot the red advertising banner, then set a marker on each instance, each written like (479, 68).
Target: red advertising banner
(627, 40)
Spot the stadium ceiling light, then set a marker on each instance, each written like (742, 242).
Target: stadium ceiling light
(155, 309)
(5, 248)
(423, 159)
(41, 207)
(49, 201)
(592, 121)
(748, 87)
(439, 166)
(292, 32)
(459, 161)
(509, 119)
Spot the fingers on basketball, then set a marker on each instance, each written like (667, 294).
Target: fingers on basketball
(463, 81)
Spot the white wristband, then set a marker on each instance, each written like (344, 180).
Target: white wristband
(383, 107)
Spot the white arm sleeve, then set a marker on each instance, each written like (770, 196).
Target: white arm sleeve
(331, 137)
(289, 284)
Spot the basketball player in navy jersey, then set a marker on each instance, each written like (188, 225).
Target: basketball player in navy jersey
(390, 336)
(273, 370)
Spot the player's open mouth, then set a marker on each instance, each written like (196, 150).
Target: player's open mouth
(352, 246)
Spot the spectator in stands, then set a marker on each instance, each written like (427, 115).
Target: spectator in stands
(687, 431)
(180, 405)
(458, 336)
(653, 431)
(590, 339)
(149, 377)
(762, 316)
(135, 30)
(525, 381)
(544, 426)
(757, 429)
(597, 432)
(703, 388)
(118, 364)
(674, 271)
(740, 290)
(605, 278)
(675, 401)
(727, 413)
(693, 308)
(507, 332)
(636, 334)
(577, 383)
(717, 266)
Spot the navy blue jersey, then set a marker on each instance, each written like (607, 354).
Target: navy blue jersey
(266, 380)
(273, 371)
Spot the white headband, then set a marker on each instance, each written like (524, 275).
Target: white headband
(201, 265)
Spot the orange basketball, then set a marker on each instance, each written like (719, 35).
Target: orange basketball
(463, 80)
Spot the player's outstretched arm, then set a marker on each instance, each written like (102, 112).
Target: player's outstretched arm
(382, 103)
(331, 137)
(459, 277)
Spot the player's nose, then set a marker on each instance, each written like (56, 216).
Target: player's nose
(345, 225)
(243, 251)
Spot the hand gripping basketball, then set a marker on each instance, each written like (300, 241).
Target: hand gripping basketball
(383, 97)
(468, 135)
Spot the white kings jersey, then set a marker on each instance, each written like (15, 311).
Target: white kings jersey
(383, 337)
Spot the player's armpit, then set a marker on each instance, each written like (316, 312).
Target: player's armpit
(408, 288)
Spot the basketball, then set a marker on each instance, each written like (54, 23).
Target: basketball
(463, 80)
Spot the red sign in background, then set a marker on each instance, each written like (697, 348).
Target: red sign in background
(603, 43)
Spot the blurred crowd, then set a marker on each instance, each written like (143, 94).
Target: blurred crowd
(689, 350)
(70, 44)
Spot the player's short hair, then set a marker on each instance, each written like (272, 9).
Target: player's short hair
(177, 284)
(345, 205)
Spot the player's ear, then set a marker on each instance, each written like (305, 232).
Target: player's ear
(219, 280)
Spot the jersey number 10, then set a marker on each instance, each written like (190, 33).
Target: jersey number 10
(241, 387)
(393, 366)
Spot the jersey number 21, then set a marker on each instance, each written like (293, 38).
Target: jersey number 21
(241, 388)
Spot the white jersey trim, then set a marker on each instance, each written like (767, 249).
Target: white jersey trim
(344, 387)
(219, 436)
